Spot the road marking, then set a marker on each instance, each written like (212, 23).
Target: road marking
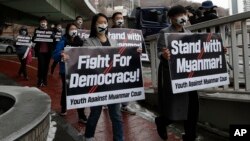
(29, 66)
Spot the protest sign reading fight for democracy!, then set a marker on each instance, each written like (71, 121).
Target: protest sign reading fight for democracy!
(43, 36)
(197, 61)
(103, 75)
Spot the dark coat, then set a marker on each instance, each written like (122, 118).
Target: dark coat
(172, 106)
(60, 47)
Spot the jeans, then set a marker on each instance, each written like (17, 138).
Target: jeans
(63, 95)
(115, 116)
(80, 111)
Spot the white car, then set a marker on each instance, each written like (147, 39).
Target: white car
(6, 45)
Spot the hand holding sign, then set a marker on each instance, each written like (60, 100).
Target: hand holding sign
(166, 53)
(139, 50)
(225, 50)
(197, 61)
(64, 56)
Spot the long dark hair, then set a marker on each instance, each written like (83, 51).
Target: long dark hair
(93, 32)
(77, 40)
(67, 29)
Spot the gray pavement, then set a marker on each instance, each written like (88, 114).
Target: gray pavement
(59, 130)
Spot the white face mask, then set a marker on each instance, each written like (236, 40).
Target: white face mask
(119, 23)
(101, 28)
(23, 32)
(59, 28)
(43, 25)
(182, 20)
(73, 33)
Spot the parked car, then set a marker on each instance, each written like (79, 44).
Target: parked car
(6, 45)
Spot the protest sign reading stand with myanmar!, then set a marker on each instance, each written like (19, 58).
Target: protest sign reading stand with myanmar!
(197, 61)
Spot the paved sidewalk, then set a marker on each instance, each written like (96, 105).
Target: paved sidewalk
(136, 128)
(67, 128)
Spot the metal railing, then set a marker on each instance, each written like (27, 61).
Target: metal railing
(235, 31)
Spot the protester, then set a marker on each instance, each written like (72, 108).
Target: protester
(209, 13)
(118, 22)
(98, 37)
(174, 107)
(79, 25)
(20, 50)
(52, 26)
(193, 14)
(58, 35)
(43, 52)
(79, 22)
(69, 39)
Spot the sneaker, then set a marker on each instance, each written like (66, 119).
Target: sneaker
(83, 120)
(26, 78)
(88, 139)
(105, 107)
(187, 138)
(127, 110)
(39, 83)
(161, 129)
(63, 113)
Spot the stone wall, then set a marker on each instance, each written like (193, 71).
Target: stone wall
(38, 133)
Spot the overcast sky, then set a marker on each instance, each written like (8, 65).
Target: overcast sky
(221, 3)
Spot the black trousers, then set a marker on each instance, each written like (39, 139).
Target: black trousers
(43, 67)
(193, 104)
(80, 111)
(22, 69)
(192, 118)
(53, 66)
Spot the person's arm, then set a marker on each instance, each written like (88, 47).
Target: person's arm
(86, 42)
(57, 52)
(14, 43)
(163, 51)
(34, 36)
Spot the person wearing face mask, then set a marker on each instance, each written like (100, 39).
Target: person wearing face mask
(79, 22)
(43, 52)
(69, 39)
(20, 50)
(52, 26)
(173, 107)
(79, 25)
(118, 22)
(209, 13)
(58, 34)
(98, 37)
